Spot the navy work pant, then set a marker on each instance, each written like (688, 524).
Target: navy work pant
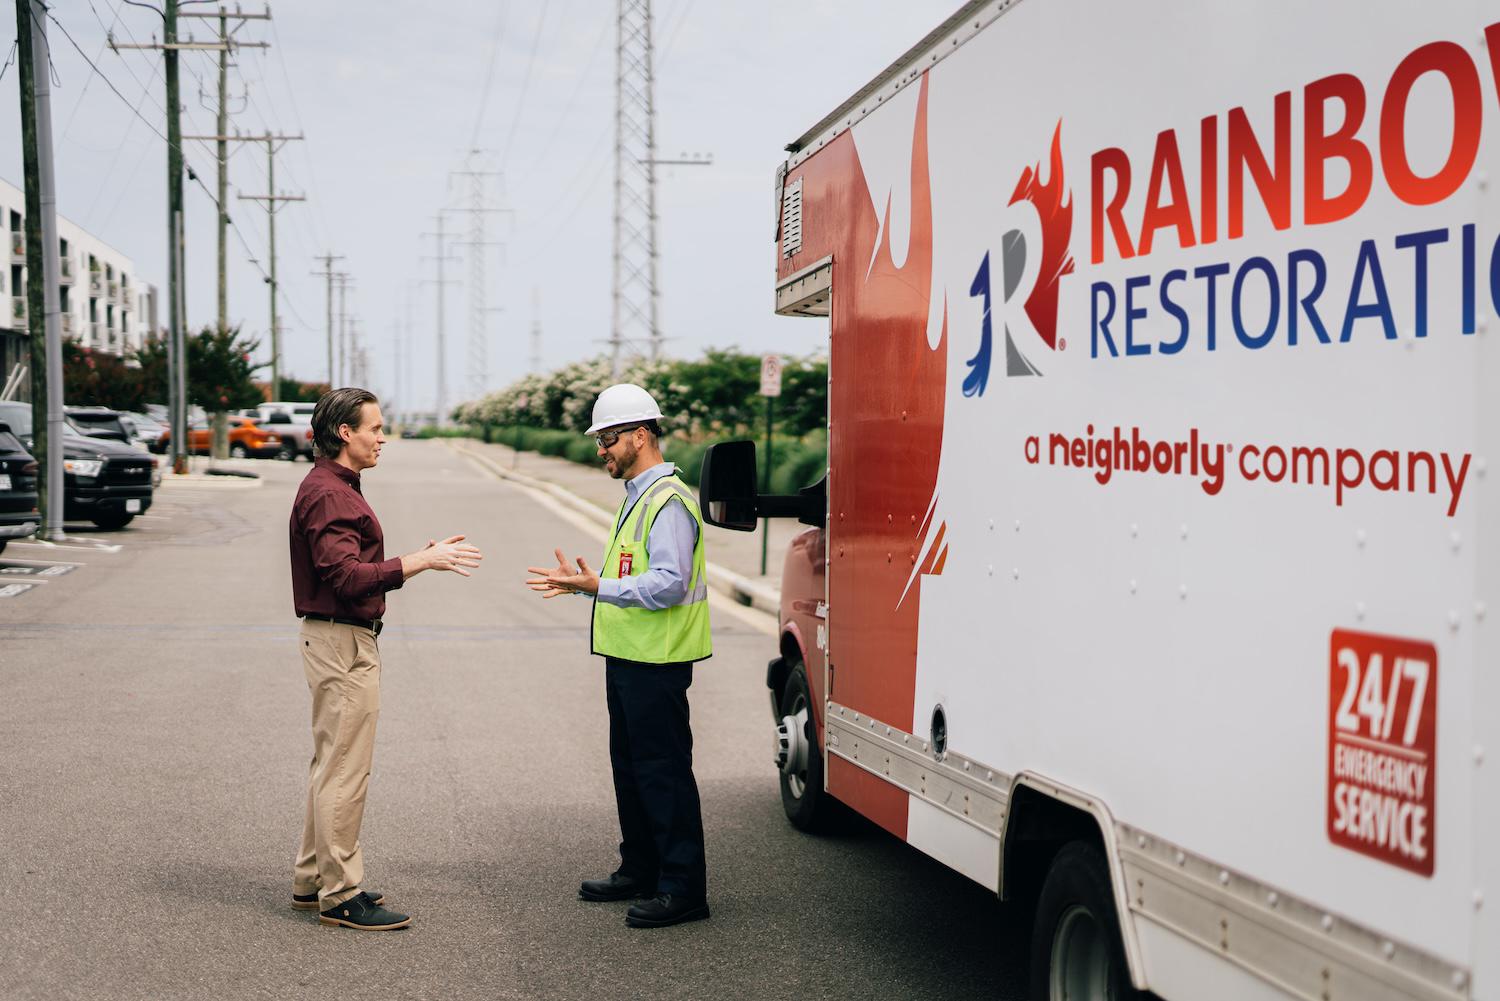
(651, 752)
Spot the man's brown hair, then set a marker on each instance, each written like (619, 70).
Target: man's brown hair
(336, 408)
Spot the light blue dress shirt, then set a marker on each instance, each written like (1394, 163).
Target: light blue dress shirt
(669, 551)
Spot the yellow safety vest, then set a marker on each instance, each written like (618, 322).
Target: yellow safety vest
(653, 636)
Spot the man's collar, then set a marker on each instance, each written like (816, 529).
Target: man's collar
(639, 480)
(340, 470)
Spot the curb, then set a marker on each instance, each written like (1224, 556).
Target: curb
(738, 588)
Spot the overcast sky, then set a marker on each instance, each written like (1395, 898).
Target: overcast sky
(391, 97)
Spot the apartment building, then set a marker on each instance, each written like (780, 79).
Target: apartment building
(105, 305)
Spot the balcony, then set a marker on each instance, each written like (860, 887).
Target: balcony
(65, 270)
(96, 284)
(114, 292)
(18, 312)
(96, 333)
(18, 244)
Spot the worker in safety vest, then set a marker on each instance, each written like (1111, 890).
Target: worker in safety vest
(650, 625)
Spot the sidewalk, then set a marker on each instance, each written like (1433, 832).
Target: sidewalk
(734, 557)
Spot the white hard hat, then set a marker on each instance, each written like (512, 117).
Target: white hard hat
(623, 403)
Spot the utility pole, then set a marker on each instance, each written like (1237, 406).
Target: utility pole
(43, 321)
(479, 347)
(329, 274)
(441, 404)
(226, 36)
(176, 279)
(345, 282)
(272, 200)
(636, 297)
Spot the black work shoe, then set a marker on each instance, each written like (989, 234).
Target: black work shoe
(309, 901)
(360, 913)
(617, 887)
(665, 909)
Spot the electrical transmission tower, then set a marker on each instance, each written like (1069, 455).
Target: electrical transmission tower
(636, 325)
(479, 339)
(440, 407)
(635, 301)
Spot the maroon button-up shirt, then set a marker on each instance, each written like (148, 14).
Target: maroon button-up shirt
(338, 552)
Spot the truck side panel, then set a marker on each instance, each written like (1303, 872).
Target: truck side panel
(1162, 384)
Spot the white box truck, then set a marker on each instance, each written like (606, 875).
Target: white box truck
(1154, 579)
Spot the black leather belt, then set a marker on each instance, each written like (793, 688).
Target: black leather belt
(374, 625)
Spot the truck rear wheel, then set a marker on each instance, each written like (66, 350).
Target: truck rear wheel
(800, 760)
(1076, 950)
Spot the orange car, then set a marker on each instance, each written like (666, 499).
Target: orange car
(246, 439)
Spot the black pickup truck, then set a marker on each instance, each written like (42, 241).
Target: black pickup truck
(103, 481)
(18, 514)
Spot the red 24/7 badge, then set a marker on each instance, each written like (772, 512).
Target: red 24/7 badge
(1382, 748)
(626, 559)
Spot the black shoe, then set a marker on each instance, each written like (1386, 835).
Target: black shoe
(665, 909)
(358, 912)
(617, 887)
(309, 901)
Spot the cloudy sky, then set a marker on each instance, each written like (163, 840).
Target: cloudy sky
(392, 98)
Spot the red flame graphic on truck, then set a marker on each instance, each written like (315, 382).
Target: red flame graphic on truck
(1055, 208)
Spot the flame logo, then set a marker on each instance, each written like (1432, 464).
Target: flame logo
(1054, 206)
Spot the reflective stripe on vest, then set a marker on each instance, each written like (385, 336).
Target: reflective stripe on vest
(653, 636)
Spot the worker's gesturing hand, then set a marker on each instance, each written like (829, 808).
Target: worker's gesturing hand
(451, 554)
(563, 578)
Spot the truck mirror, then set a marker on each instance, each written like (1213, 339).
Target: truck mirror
(726, 489)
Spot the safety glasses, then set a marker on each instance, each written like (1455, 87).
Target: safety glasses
(607, 439)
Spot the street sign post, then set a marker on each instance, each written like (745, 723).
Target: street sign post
(770, 388)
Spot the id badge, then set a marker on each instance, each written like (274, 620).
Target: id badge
(627, 560)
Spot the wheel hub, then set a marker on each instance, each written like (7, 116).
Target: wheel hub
(791, 747)
(1080, 958)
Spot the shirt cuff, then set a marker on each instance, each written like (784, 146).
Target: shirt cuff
(609, 590)
(391, 576)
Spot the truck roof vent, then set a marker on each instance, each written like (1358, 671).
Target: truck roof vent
(791, 218)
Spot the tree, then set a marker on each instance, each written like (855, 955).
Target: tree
(99, 379)
(220, 372)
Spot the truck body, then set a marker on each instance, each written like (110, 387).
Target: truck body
(1164, 389)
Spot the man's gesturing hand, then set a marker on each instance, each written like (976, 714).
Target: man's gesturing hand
(563, 578)
(450, 554)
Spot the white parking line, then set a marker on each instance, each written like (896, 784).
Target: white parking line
(99, 547)
(45, 563)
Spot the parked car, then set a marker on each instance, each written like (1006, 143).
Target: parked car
(104, 481)
(145, 431)
(18, 512)
(97, 422)
(247, 439)
(295, 431)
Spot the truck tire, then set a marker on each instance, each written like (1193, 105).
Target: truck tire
(807, 805)
(113, 519)
(1076, 950)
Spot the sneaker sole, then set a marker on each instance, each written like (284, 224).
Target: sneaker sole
(325, 920)
(698, 914)
(312, 905)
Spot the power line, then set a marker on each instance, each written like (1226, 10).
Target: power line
(489, 73)
(515, 123)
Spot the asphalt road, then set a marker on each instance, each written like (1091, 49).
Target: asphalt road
(153, 752)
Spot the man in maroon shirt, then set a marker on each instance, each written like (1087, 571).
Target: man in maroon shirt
(339, 579)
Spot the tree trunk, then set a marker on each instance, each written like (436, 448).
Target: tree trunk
(220, 424)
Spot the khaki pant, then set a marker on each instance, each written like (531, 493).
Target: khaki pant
(343, 673)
